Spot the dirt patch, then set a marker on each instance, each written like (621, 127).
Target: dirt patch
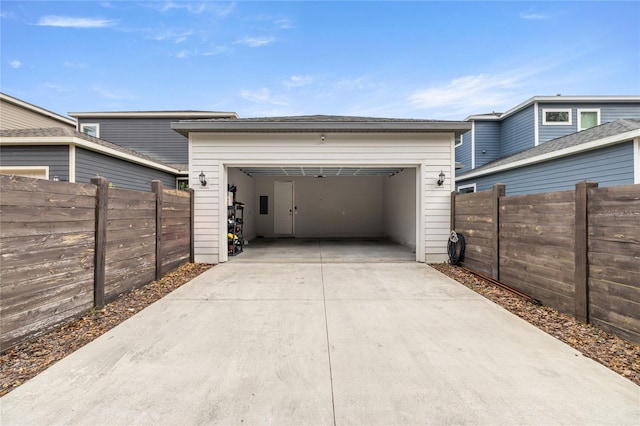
(28, 359)
(613, 352)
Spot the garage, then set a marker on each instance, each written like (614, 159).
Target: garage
(319, 177)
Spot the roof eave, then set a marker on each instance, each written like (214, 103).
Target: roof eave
(155, 114)
(457, 127)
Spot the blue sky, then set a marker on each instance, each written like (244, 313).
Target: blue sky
(437, 60)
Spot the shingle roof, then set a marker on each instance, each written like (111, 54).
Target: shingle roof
(66, 132)
(593, 134)
(319, 123)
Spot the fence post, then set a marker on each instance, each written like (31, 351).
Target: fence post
(102, 199)
(156, 186)
(498, 190)
(453, 210)
(581, 271)
(192, 196)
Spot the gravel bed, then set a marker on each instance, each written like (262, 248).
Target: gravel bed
(613, 352)
(26, 360)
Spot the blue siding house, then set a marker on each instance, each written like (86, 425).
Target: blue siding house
(608, 154)
(497, 138)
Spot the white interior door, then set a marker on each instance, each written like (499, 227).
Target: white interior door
(283, 208)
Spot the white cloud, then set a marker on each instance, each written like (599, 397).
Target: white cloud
(69, 22)
(262, 95)
(15, 64)
(359, 83)
(112, 94)
(298, 81)
(255, 41)
(196, 8)
(216, 50)
(474, 94)
(284, 23)
(183, 54)
(532, 16)
(68, 64)
(171, 35)
(55, 87)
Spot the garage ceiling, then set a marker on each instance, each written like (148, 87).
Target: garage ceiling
(321, 171)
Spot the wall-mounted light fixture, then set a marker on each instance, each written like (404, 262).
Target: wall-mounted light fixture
(55, 178)
(203, 180)
(440, 178)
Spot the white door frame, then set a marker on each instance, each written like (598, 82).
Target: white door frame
(224, 179)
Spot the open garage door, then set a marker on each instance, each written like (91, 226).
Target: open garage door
(339, 203)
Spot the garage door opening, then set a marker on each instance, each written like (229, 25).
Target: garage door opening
(345, 212)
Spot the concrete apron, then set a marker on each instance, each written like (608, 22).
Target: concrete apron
(323, 344)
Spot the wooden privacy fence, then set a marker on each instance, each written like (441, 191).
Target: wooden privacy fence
(67, 247)
(577, 251)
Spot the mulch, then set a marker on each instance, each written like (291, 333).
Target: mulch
(26, 360)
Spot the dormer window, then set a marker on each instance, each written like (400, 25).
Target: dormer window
(91, 129)
(556, 117)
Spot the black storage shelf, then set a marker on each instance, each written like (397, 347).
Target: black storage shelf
(235, 223)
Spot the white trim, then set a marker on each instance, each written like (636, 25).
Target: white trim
(473, 145)
(72, 163)
(96, 125)
(461, 141)
(579, 117)
(536, 125)
(155, 114)
(82, 143)
(556, 123)
(554, 99)
(4, 169)
(420, 209)
(471, 185)
(600, 143)
(636, 160)
(223, 211)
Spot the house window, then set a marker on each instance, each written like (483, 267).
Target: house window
(588, 118)
(182, 184)
(40, 172)
(459, 141)
(91, 129)
(467, 189)
(556, 117)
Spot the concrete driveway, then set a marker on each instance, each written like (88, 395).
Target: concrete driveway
(324, 344)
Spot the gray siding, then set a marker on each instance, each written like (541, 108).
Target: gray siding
(517, 132)
(487, 140)
(608, 113)
(610, 166)
(150, 136)
(54, 156)
(463, 153)
(122, 174)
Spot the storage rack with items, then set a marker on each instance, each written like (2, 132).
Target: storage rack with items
(235, 223)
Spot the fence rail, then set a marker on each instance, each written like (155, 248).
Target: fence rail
(577, 251)
(66, 247)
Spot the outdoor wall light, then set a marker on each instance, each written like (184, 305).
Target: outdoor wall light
(55, 178)
(203, 180)
(441, 178)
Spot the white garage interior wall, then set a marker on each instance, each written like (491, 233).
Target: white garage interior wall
(335, 206)
(408, 208)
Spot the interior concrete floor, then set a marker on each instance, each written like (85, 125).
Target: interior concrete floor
(324, 250)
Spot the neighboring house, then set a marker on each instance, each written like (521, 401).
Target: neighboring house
(147, 132)
(608, 154)
(64, 154)
(38, 143)
(18, 114)
(323, 177)
(531, 124)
